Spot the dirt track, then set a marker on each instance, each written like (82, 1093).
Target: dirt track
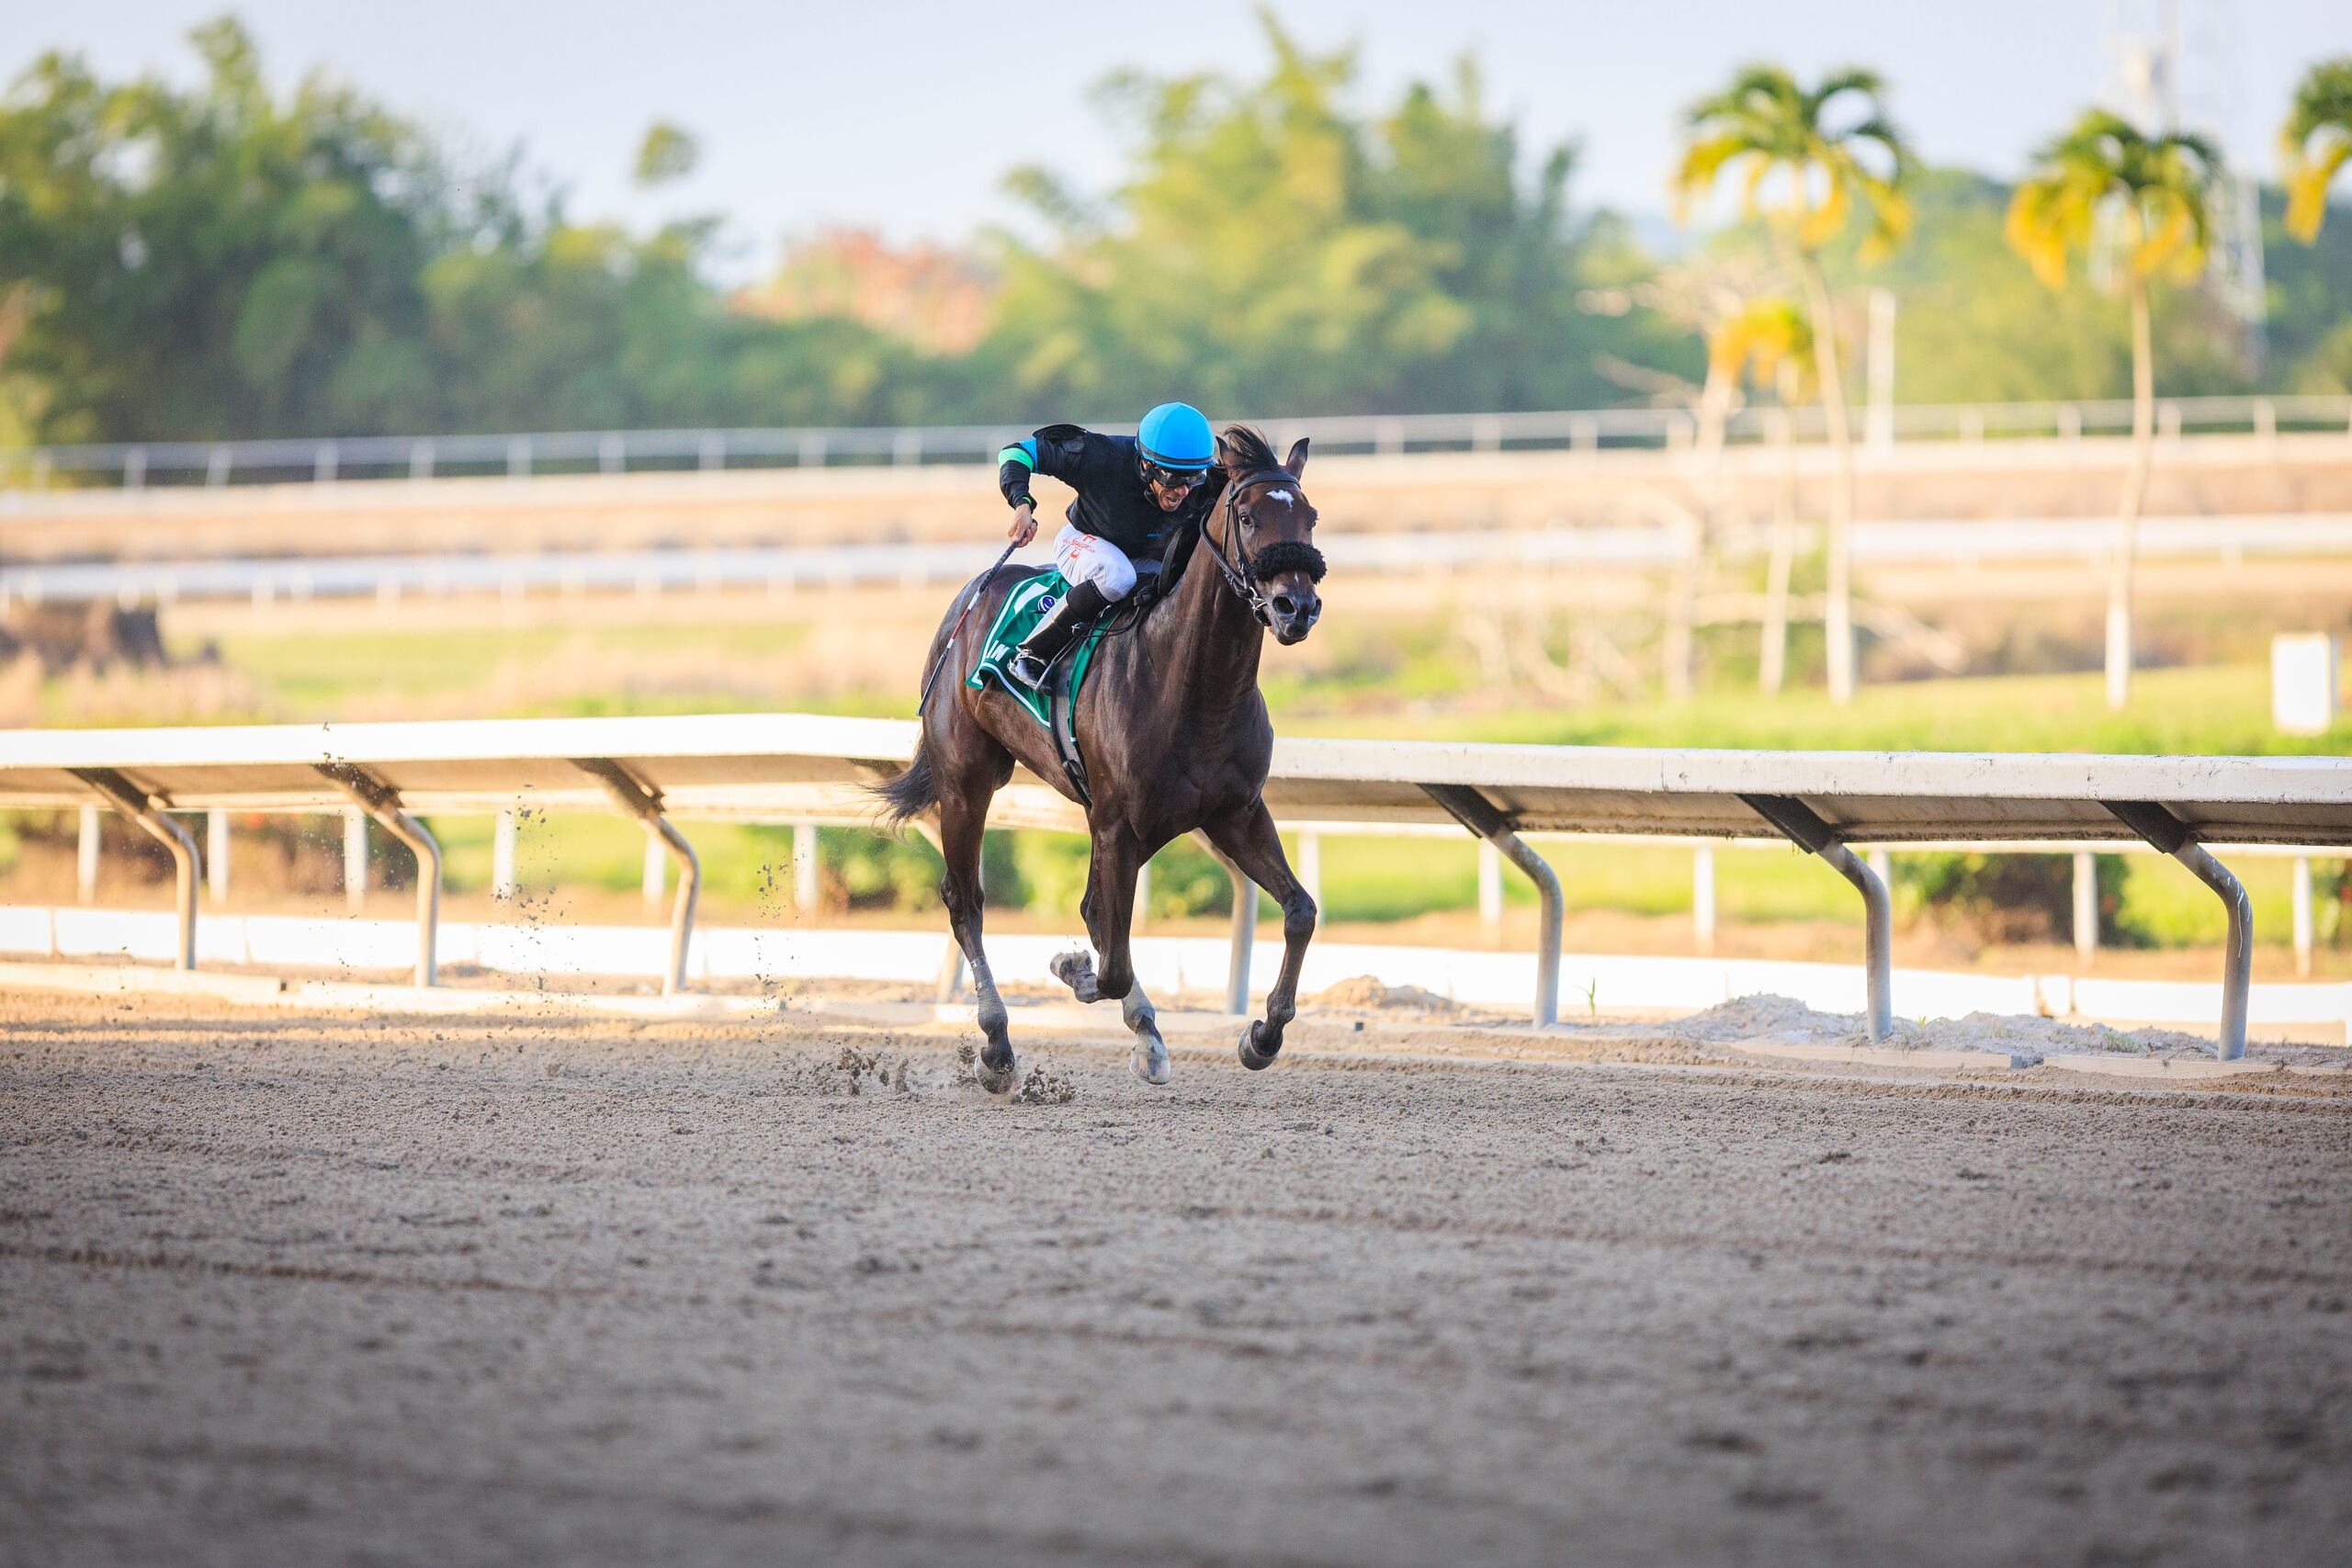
(273, 1291)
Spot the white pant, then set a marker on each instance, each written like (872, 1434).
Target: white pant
(1082, 558)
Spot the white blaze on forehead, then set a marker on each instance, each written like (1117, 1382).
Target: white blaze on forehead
(1280, 494)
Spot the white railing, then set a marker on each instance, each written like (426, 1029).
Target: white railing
(524, 454)
(808, 767)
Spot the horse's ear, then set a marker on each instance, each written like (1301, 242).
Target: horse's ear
(1296, 462)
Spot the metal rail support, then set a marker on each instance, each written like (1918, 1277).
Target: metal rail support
(2175, 838)
(1796, 822)
(381, 802)
(1245, 929)
(148, 813)
(1478, 814)
(644, 803)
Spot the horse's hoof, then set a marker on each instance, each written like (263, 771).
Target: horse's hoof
(1256, 1061)
(1075, 970)
(1148, 1061)
(998, 1081)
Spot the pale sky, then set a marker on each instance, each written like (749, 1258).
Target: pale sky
(905, 115)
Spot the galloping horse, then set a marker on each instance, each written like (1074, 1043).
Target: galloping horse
(1175, 737)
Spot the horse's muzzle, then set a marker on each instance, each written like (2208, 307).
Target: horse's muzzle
(1291, 614)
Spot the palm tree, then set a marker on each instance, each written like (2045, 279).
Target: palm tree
(2316, 139)
(1737, 305)
(1766, 125)
(2157, 192)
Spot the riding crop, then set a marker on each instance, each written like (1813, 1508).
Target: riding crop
(970, 602)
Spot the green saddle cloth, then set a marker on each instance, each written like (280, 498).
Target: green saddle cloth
(1026, 605)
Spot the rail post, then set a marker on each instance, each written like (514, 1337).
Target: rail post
(502, 843)
(355, 859)
(86, 857)
(949, 982)
(2086, 908)
(657, 865)
(1702, 899)
(807, 865)
(216, 854)
(2303, 917)
(1490, 892)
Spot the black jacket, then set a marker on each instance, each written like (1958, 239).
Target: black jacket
(1113, 501)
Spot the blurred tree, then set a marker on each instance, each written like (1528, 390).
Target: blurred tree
(667, 153)
(1765, 125)
(1271, 251)
(208, 259)
(2156, 191)
(2316, 139)
(211, 262)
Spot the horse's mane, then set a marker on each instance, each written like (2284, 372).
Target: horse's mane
(1245, 451)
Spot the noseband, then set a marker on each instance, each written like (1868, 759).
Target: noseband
(1244, 577)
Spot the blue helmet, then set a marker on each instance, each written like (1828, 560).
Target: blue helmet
(1176, 435)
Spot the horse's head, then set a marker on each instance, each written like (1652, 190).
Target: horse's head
(1264, 537)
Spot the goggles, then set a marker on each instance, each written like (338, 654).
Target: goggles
(1172, 478)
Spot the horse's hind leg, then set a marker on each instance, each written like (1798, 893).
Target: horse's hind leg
(963, 816)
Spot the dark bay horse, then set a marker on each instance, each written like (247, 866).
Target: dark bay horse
(1175, 737)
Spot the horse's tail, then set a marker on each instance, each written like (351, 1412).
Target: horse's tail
(913, 791)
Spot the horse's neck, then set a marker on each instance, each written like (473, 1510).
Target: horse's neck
(1202, 646)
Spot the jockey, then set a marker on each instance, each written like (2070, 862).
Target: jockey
(1132, 492)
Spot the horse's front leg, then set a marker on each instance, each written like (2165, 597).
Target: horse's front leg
(1250, 841)
(1109, 910)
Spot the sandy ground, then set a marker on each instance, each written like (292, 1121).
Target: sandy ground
(358, 1290)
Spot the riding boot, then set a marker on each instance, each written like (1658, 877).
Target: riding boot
(1052, 636)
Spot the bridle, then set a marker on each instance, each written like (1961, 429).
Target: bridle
(1239, 573)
